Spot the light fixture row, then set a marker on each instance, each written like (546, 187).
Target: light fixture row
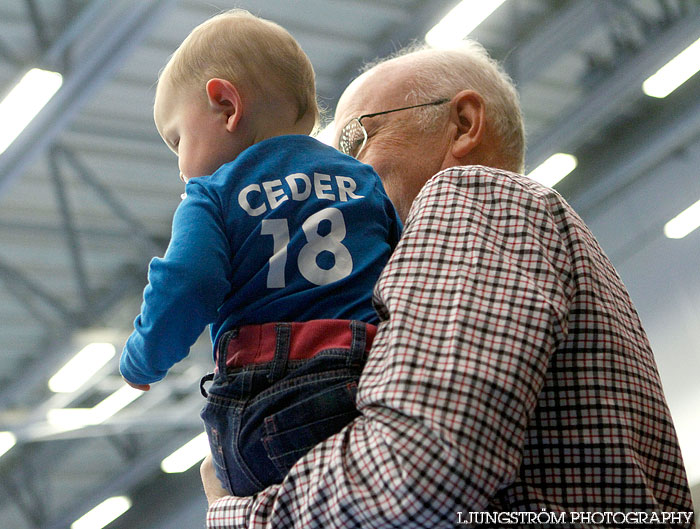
(112, 508)
(36, 88)
(70, 378)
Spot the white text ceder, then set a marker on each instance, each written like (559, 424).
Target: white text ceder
(271, 194)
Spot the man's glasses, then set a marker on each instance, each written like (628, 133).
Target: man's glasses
(354, 136)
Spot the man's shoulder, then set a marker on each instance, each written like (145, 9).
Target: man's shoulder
(456, 191)
(479, 182)
(487, 178)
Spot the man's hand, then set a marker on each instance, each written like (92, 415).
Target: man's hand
(212, 485)
(142, 387)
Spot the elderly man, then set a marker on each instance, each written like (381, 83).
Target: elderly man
(510, 373)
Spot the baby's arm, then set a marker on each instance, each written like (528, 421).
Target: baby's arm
(185, 290)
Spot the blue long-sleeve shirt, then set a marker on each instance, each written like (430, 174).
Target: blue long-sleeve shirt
(291, 230)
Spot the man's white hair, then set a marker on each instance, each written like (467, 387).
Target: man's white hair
(442, 73)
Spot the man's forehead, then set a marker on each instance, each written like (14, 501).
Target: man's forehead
(353, 97)
(375, 90)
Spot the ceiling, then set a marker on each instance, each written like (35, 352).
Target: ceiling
(88, 190)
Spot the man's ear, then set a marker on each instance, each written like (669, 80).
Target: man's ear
(467, 115)
(224, 97)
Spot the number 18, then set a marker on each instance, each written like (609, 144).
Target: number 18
(316, 243)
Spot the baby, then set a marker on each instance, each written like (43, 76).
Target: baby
(276, 245)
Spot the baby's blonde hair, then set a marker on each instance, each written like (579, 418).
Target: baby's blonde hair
(248, 51)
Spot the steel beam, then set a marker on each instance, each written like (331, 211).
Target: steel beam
(137, 230)
(8, 54)
(129, 27)
(12, 274)
(28, 302)
(72, 239)
(143, 468)
(38, 23)
(163, 417)
(20, 485)
(594, 110)
(563, 30)
(422, 17)
(189, 513)
(57, 54)
(637, 153)
(55, 351)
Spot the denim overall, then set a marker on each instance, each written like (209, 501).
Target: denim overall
(262, 417)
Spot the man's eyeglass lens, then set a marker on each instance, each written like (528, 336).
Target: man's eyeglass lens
(352, 137)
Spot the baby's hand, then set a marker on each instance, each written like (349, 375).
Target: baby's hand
(142, 387)
(183, 196)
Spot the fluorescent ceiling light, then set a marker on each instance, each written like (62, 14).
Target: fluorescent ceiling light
(683, 223)
(674, 73)
(554, 169)
(104, 514)
(81, 367)
(72, 418)
(25, 101)
(7, 441)
(460, 22)
(186, 456)
(116, 402)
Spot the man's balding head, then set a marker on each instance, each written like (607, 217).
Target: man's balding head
(481, 124)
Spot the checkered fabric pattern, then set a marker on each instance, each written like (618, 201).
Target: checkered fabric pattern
(510, 372)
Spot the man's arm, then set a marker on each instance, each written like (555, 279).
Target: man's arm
(473, 303)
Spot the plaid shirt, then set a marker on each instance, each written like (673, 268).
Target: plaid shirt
(510, 373)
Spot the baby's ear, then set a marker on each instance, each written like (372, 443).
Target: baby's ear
(224, 97)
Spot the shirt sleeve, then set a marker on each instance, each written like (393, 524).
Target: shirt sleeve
(185, 289)
(473, 303)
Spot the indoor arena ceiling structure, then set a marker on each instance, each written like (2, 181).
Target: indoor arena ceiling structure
(88, 189)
